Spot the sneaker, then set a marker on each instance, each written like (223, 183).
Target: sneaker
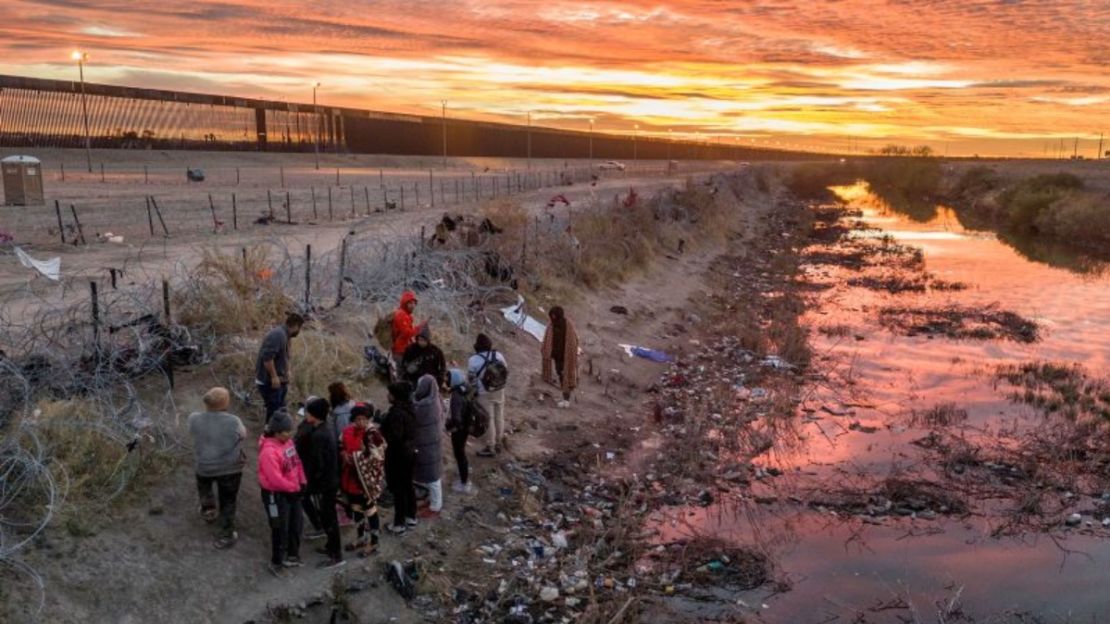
(486, 452)
(277, 571)
(292, 562)
(396, 529)
(225, 542)
(564, 404)
(427, 513)
(459, 487)
(470, 489)
(410, 522)
(331, 563)
(314, 534)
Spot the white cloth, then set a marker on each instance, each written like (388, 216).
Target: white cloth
(435, 494)
(51, 268)
(515, 315)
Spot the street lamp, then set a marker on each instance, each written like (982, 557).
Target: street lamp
(443, 103)
(591, 143)
(82, 58)
(316, 142)
(635, 136)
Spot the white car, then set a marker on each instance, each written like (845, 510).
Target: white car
(611, 165)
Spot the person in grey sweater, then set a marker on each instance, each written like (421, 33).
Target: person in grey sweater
(218, 447)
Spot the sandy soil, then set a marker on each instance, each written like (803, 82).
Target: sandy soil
(154, 561)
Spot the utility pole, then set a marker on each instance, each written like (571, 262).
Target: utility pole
(316, 143)
(1099, 155)
(1075, 150)
(529, 140)
(670, 140)
(635, 136)
(444, 104)
(591, 160)
(82, 58)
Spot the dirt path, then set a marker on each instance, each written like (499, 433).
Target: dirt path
(154, 562)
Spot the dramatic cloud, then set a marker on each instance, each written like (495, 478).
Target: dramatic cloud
(970, 75)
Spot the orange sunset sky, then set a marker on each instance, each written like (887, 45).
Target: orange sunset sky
(1004, 77)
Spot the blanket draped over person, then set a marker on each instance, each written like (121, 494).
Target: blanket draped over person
(560, 345)
(428, 421)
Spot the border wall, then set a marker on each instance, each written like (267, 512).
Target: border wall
(42, 113)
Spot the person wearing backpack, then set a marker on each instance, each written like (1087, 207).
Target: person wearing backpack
(560, 354)
(459, 422)
(489, 372)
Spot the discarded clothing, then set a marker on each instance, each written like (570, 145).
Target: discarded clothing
(51, 268)
(648, 354)
(515, 314)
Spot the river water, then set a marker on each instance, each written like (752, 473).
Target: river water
(858, 425)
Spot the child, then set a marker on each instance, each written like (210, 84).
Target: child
(362, 450)
(281, 478)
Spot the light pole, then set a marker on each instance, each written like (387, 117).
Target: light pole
(316, 142)
(443, 103)
(529, 140)
(81, 58)
(635, 136)
(591, 144)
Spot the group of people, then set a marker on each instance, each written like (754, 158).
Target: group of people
(344, 456)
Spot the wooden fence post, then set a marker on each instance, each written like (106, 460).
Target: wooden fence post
(281, 170)
(149, 216)
(342, 271)
(234, 213)
(315, 215)
(331, 215)
(80, 230)
(288, 208)
(432, 188)
(366, 192)
(215, 221)
(270, 203)
(307, 275)
(158, 213)
(61, 228)
(95, 320)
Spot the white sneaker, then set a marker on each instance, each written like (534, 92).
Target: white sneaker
(563, 404)
(459, 487)
(470, 488)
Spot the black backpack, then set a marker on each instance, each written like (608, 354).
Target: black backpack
(479, 417)
(494, 375)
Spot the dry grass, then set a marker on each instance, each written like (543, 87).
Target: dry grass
(232, 294)
(93, 465)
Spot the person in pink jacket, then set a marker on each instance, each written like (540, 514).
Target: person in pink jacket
(281, 478)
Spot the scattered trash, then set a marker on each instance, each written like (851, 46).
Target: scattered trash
(515, 314)
(619, 309)
(1074, 520)
(195, 175)
(776, 362)
(549, 594)
(648, 354)
(51, 269)
(401, 577)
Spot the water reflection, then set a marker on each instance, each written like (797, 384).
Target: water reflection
(886, 207)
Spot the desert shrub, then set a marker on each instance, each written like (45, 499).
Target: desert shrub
(909, 178)
(1082, 218)
(975, 182)
(232, 293)
(1027, 200)
(812, 180)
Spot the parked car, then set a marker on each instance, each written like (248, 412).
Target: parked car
(611, 165)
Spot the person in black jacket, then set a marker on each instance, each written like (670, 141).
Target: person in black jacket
(319, 453)
(399, 430)
(424, 358)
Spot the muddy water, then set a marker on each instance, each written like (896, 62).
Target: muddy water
(857, 426)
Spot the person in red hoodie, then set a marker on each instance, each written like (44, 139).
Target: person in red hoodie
(281, 477)
(362, 451)
(404, 329)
